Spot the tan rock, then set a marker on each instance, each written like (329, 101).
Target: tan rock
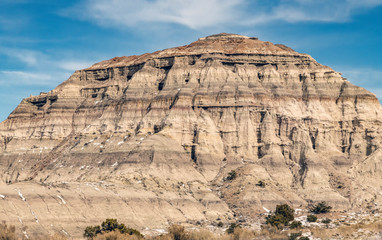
(157, 134)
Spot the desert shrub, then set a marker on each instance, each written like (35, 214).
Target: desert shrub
(92, 231)
(177, 232)
(239, 233)
(295, 224)
(321, 207)
(130, 231)
(277, 221)
(326, 220)
(232, 227)
(286, 211)
(281, 217)
(231, 175)
(311, 218)
(7, 232)
(294, 236)
(220, 224)
(261, 184)
(303, 238)
(110, 225)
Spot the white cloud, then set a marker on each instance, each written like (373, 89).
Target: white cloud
(24, 78)
(39, 60)
(40, 69)
(198, 14)
(194, 14)
(319, 11)
(29, 57)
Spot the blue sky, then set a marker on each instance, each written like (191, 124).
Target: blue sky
(43, 42)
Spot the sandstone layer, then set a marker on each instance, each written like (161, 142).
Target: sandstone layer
(150, 140)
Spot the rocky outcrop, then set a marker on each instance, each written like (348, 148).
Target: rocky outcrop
(167, 127)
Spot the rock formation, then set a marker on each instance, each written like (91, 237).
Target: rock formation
(150, 140)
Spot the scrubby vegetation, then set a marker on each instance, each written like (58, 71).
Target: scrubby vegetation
(321, 207)
(232, 228)
(261, 184)
(231, 175)
(177, 232)
(110, 226)
(311, 218)
(294, 236)
(342, 228)
(281, 217)
(326, 220)
(303, 238)
(295, 224)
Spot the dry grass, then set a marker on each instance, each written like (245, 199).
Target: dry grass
(57, 236)
(177, 232)
(116, 235)
(347, 231)
(202, 234)
(363, 229)
(270, 232)
(7, 232)
(243, 234)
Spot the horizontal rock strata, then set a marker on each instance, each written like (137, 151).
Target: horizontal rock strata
(157, 124)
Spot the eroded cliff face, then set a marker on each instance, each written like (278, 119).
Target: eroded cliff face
(170, 125)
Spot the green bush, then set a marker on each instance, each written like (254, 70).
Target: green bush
(321, 207)
(286, 211)
(295, 224)
(282, 216)
(92, 231)
(110, 225)
(231, 175)
(303, 238)
(260, 184)
(277, 221)
(220, 224)
(294, 236)
(326, 220)
(311, 218)
(232, 227)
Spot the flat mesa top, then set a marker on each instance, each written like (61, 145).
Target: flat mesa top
(227, 36)
(222, 43)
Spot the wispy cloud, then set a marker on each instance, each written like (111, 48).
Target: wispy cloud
(38, 68)
(29, 57)
(194, 14)
(25, 78)
(198, 14)
(294, 11)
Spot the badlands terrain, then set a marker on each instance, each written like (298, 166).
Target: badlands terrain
(222, 129)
